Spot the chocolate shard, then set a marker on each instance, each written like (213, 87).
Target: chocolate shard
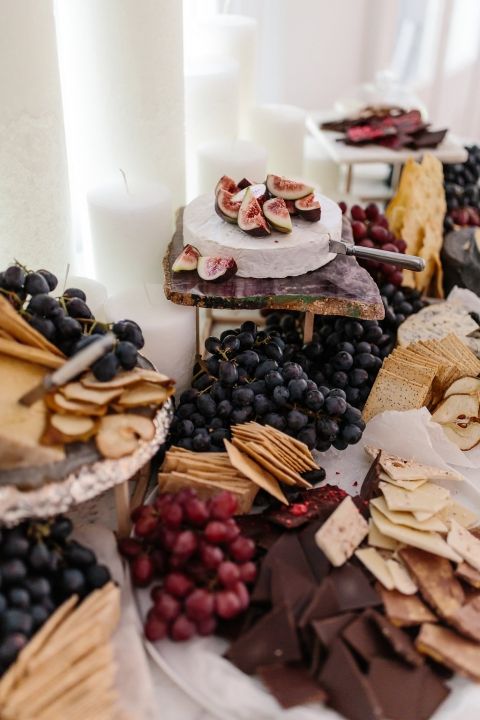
(404, 610)
(289, 553)
(364, 637)
(290, 684)
(272, 640)
(323, 604)
(323, 633)
(290, 587)
(369, 488)
(448, 648)
(405, 693)
(467, 619)
(398, 640)
(261, 592)
(308, 505)
(436, 580)
(258, 528)
(348, 689)
(353, 588)
(317, 560)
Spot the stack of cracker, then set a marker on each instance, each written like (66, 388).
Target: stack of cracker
(416, 214)
(67, 670)
(418, 375)
(259, 457)
(20, 340)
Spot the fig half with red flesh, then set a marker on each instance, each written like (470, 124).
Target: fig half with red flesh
(226, 183)
(187, 260)
(216, 269)
(309, 208)
(251, 218)
(287, 189)
(276, 212)
(226, 207)
(259, 191)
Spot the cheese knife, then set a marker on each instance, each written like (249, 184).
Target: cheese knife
(408, 262)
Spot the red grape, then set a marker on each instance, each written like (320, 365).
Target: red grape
(167, 538)
(382, 220)
(228, 573)
(178, 584)
(156, 591)
(207, 626)
(343, 207)
(223, 506)
(227, 604)
(184, 495)
(178, 562)
(359, 230)
(401, 245)
(155, 627)
(372, 211)
(196, 511)
(162, 500)
(233, 531)
(166, 606)
(182, 629)
(185, 543)
(241, 592)
(397, 278)
(358, 213)
(211, 556)
(199, 605)
(248, 572)
(146, 525)
(379, 234)
(366, 242)
(216, 531)
(158, 559)
(130, 548)
(172, 515)
(142, 570)
(242, 549)
(390, 247)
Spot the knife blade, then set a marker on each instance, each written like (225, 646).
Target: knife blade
(408, 262)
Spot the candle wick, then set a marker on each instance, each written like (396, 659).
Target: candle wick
(127, 189)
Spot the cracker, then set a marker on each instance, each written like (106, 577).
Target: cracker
(435, 579)
(450, 649)
(390, 392)
(342, 532)
(255, 472)
(13, 324)
(265, 459)
(405, 610)
(465, 544)
(30, 354)
(399, 468)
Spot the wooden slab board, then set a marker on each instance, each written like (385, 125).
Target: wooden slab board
(341, 287)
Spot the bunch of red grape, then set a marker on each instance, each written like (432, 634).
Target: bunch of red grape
(370, 229)
(197, 551)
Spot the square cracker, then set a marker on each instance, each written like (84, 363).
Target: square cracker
(390, 392)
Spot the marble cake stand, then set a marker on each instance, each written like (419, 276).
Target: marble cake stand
(341, 287)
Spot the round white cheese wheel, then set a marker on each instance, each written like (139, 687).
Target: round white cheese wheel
(276, 256)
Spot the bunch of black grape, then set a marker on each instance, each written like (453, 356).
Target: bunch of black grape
(67, 321)
(40, 566)
(247, 377)
(462, 190)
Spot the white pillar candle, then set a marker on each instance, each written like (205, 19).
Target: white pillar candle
(122, 79)
(96, 293)
(234, 36)
(319, 169)
(34, 195)
(168, 329)
(211, 108)
(131, 225)
(237, 159)
(281, 129)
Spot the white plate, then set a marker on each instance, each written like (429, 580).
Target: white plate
(198, 668)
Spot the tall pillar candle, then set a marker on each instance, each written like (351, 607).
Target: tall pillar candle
(238, 159)
(234, 36)
(34, 195)
(211, 108)
(122, 79)
(168, 329)
(131, 224)
(281, 129)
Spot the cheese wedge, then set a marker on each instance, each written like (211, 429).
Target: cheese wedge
(374, 562)
(406, 518)
(401, 578)
(465, 544)
(428, 498)
(377, 539)
(463, 515)
(428, 541)
(410, 485)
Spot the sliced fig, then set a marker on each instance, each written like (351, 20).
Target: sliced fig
(226, 183)
(187, 260)
(276, 212)
(251, 218)
(287, 189)
(309, 208)
(259, 191)
(226, 207)
(216, 269)
(244, 183)
(291, 207)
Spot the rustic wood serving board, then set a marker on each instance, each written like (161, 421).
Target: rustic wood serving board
(341, 287)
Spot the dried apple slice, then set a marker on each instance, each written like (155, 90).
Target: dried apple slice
(77, 391)
(120, 435)
(58, 403)
(144, 393)
(68, 429)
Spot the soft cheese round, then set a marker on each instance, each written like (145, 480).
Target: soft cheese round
(276, 256)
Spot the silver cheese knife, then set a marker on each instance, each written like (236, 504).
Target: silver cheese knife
(409, 262)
